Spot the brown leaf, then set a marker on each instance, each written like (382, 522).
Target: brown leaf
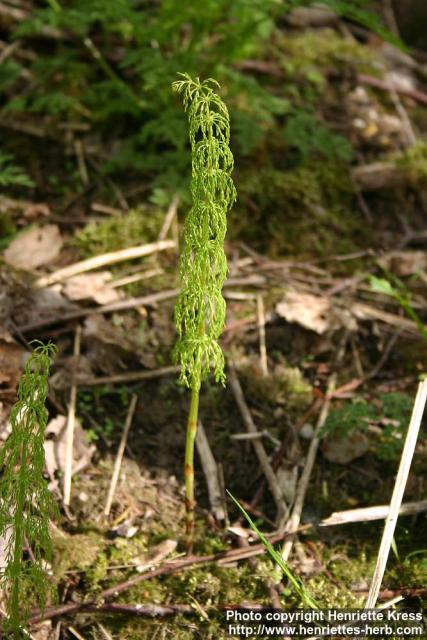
(305, 309)
(345, 450)
(91, 285)
(404, 263)
(12, 360)
(155, 555)
(55, 447)
(34, 248)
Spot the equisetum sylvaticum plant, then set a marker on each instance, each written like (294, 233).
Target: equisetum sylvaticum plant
(26, 505)
(200, 308)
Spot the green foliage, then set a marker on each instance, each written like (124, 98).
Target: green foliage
(396, 409)
(361, 11)
(307, 209)
(26, 504)
(303, 131)
(7, 230)
(113, 62)
(200, 308)
(353, 416)
(11, 175)
(402, 295)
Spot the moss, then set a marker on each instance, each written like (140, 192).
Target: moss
(313, 51)
(139, 225)
(7, 229)
(413, 161)
(285, 386)
(78, 552)
(306, 211)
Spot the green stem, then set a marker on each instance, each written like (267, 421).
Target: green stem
(19, 546)
(193, 415)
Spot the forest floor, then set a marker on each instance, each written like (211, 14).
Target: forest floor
(325, 338)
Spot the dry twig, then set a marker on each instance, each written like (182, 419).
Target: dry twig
(367, 514)
(295, 518)
(261, 331)
(210, 469)
(170, 215)
(101, 261)
(266, 467)
(68, 471)
(120, 452)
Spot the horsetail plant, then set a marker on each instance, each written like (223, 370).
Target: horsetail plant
(200, 308)
(26, 504)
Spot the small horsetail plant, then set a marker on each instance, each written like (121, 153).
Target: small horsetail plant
(26, 504)
(200, 308)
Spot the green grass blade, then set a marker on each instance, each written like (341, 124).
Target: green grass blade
(295, 581)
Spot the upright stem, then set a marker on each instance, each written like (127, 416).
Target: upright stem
(189, 466)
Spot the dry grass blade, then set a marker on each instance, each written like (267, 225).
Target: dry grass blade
(398, 491)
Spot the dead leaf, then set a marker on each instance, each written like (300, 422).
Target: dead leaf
(12, 360)
(404, 263)
(36, 210)
(96, 326)
(38, 305)
(91, 285)
(109, 347)
(34, 248)
(5, 426)
(240, 532)
(55, 447)
(345, 450)
(154, 556)
(305, 309)
(126, 529)
(61, 379)
(42, 631)
(287, 481)
(316, 313)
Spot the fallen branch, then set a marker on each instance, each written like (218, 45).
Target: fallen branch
(122, 305)
(129, 303)
(367, 514)
(130, 376)
(101, 261)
